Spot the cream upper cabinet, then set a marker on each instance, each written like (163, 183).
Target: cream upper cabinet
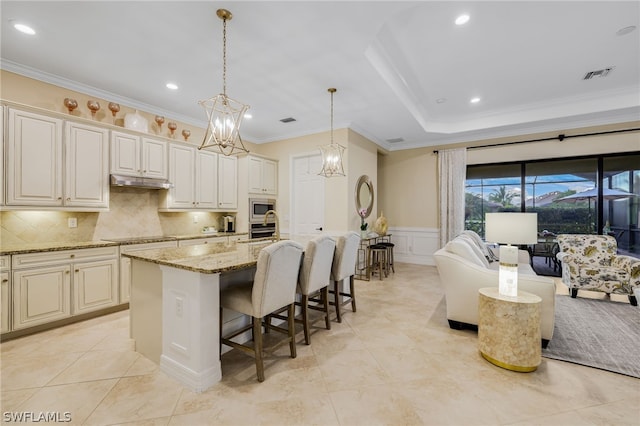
(135, 156)
(263, 176)
(202, 180)
(2, 155)
(34, 160)
(227, 182)
(46, 170)
(206, 196)
(87, 166)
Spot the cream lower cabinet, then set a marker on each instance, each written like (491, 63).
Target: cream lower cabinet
(197, 241)
(49, 286)
(5, 296)
(41, 295)
(95, 285)
(125, 264)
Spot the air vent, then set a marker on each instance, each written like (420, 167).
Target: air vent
(395, 140)
(597, 73)
(288, 120)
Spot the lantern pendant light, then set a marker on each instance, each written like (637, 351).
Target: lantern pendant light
(223, 113)
(332, 153)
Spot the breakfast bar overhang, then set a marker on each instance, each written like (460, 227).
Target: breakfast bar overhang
(175, 305)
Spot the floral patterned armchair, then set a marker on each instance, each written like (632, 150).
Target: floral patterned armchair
(591, 262)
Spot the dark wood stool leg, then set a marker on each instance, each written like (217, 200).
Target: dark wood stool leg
(325, 303)
(305, 318)
(257, 347)
(352, 289)
(336, 296)
(292, 330)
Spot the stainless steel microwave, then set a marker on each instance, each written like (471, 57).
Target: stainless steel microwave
(258, 207)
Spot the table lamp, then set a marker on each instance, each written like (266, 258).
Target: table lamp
(510, 228)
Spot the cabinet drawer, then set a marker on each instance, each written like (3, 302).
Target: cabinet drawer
(55, 257)
(5, 263)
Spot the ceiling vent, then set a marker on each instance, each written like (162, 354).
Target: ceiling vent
(288, 120)
(395, 140)
(597, 73)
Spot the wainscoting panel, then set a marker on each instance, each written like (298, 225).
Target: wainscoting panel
(415, 245)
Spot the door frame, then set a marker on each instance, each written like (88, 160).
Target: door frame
(292, 204)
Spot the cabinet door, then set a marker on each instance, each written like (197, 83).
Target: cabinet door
(255, 175)
(227, 182)
(95, 285)
(41, 295)
(2, 155)
(34, 160)
(270, 177)
(87, 166)
(182, 175)
(4, 305)
(206, 180)
(154, 158)
(125, 154)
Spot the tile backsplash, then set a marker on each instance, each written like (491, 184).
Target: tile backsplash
(133, 213)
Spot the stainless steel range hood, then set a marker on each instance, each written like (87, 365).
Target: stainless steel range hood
(140, 182)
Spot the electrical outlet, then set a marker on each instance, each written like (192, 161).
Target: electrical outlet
(179, 307)
(195, 218)
(72, 222)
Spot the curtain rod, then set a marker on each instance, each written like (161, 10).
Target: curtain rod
(560, 137)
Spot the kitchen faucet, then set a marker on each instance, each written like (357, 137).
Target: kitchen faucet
(266, 216)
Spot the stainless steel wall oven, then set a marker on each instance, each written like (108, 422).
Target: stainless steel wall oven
(258, 207)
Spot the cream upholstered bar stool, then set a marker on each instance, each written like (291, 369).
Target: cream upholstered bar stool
(344, 266)
(313, 283)
(314, 279)
(273, 287)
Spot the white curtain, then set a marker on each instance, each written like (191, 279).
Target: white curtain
(452, 170)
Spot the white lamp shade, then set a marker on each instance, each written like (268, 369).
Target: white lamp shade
(511, 228)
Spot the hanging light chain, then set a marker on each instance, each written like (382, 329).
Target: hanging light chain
(224, 56)
(332, 91)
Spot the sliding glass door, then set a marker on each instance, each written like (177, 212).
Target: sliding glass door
(586, 195)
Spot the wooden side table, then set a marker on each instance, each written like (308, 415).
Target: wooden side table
(509, 329)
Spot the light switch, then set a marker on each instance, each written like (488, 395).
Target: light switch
(72, 222)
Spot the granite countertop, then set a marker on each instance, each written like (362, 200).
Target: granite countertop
(39, 247)
(58, 246)
(206, 258)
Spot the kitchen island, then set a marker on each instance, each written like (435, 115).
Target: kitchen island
(175, 305)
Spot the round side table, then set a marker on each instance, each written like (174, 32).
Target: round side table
(509, 329)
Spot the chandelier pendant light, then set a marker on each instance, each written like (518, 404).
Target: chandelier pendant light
(224, 115)
(332, 153)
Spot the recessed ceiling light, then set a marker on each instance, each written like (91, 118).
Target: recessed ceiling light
(172, 86)
(462, 19)
(247, 115)
(441, 100)
(625, 30)
(475, 100)
(24, 29)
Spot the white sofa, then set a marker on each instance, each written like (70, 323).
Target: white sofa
(465, 266)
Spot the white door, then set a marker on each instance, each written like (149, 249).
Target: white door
(307, 198)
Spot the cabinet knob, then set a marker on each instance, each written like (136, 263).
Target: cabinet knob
(72, 256)
(77, 270)
(59, 198)
(66, 272)
(5, 280)
(68, 198)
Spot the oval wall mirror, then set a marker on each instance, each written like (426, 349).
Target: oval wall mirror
(364, 196)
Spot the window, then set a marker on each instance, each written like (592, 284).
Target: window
(564, 193)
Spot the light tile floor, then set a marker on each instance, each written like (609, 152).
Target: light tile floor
(394, 362)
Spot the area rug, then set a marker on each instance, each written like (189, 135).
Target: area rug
(596, 333)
